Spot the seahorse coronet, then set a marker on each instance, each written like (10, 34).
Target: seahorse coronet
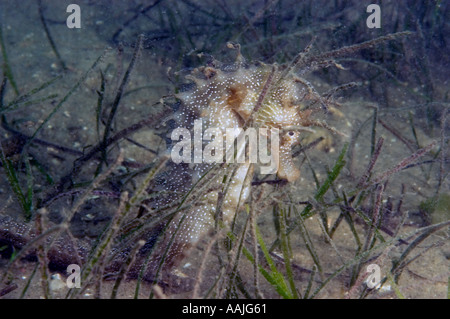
(234, 96)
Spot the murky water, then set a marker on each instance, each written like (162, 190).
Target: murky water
(373, 184)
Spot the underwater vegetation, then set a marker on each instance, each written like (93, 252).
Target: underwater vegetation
(359, 179)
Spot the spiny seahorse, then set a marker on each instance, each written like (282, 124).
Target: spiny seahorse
(229, 98)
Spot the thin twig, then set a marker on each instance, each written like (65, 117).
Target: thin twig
(49, 37)
(364, 178)
(404, 163)
(119, 94)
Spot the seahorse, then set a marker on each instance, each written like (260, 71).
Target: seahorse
(229, 98)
